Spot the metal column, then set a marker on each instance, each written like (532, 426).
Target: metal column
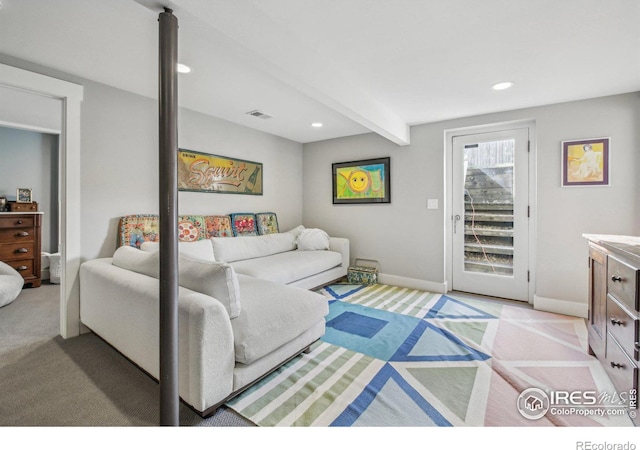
(168, 171)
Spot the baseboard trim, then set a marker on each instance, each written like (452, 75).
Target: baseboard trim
(412, 283)
(560, 306)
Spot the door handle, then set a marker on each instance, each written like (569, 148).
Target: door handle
(455, 222)
(615, 321)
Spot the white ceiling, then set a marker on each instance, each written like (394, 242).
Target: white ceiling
(355, 65)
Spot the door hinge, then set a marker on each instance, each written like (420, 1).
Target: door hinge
(528, 146)
(528, 276)
(528, 211)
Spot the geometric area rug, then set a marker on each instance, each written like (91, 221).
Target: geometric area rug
(394, 356)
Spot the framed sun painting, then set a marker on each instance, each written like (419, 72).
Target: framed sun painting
(365, 181)
(585, 162)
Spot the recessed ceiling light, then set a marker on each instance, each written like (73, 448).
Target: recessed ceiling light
(316, 125)
(502, 85)
(183, 69)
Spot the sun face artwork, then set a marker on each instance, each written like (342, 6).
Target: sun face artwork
(364, 182)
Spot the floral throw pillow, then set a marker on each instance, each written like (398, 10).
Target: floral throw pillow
(190, 228)
(135, 229)
(218, 226)
(267, 223)
(244, 224)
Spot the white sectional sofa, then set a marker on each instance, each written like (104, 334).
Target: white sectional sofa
(244, 306)
(302, 257)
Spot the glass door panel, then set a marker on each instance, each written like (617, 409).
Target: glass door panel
(488, 207)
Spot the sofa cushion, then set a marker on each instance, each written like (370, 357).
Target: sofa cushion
(191, 228)
(130, 258)
(248, 247)
(263, 326)
(218, 226)
(215, 279)
(290, 266)
(202, 250)
(313, 239)
(135, 229)
(244, 224)
(267, 223)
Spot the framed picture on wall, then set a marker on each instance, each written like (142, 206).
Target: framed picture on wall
(24, 195)
(203, 172)
(585, 162)
(366, 181)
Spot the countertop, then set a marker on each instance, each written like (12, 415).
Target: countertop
(626, 245)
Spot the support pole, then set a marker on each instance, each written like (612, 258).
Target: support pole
(168, 172)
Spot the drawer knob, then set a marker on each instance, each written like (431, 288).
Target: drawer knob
(22, 234)
(19, 222)
(616, 278)
(617, 365)
(21, 268)
(617, 322)
(22, 250)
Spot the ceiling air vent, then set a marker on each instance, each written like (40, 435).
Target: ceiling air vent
(260, 114)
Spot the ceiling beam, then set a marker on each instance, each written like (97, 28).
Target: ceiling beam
(234, 27)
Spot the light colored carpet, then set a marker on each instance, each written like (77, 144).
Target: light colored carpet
(49, 381)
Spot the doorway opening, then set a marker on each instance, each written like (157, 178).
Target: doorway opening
(35, 86)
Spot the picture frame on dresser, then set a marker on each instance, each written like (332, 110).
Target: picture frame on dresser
(24, 195)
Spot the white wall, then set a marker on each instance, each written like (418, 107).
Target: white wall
(120, 165)
(409, 240)
(29, 159)
(119, 162)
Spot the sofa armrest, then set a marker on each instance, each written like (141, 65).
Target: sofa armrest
(341, 245)
(122, 307)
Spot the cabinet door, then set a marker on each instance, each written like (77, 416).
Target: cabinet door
(597, 300)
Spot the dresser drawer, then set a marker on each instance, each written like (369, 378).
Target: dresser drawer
(622, 371)
(17, 235)
(19, 250)
(622, 283)
(623, 327)
(24, 267)
(16, 222)
(23, 207)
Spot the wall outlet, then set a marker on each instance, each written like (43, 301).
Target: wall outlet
(432, 203)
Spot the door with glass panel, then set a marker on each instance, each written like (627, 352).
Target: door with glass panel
(490, 214)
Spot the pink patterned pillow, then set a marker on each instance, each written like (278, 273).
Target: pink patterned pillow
(244, 224)
(218, 226)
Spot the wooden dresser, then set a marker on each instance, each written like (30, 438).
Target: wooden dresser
(614, 310)
(20, 244)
